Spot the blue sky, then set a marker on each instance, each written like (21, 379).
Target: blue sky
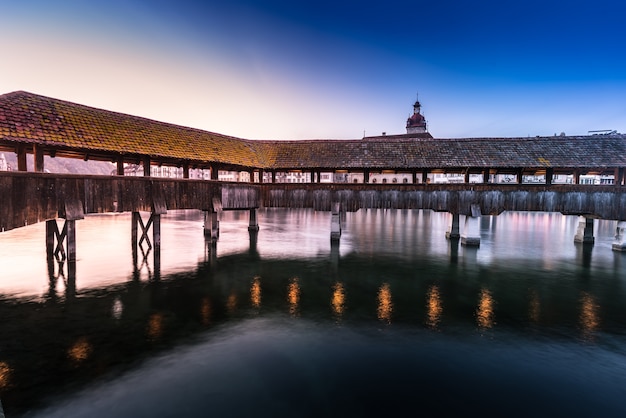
(328, 69)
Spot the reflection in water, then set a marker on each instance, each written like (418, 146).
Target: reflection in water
(589, 318)
(155, 326)
(255, 292)
(484, 313)
(117, 308)
(5, 374)
(339, 299)
(546, 293)
(385, 306)
(534, 307)
(293, 296)
(80, 351)
(434, 306)
(205, 311)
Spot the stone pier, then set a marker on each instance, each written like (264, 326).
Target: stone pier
(619, 244)
(584, 232)
(453, 231)
(471, 231)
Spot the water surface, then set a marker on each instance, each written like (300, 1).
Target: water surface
(395, 320)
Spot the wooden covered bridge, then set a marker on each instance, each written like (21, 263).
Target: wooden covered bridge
(37, 128)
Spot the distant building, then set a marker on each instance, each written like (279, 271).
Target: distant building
(4, 166)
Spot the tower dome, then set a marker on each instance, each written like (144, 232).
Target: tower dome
(416, 123)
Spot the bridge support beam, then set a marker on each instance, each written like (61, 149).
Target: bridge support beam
(64, 238)
(335, 222)
(620, 237)
(471, 232)
(584, 233)
(136, 242)
(254, 221)
(453, 231)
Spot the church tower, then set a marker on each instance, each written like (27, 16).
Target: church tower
(416, 123)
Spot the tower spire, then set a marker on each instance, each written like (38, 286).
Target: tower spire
(416, 123)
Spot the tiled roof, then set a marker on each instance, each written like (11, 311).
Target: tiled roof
(30, 118)
(26, 117)
(405, 151)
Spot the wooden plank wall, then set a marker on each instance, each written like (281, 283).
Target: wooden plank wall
(27, 197)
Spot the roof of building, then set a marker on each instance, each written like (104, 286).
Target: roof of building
(70, 127)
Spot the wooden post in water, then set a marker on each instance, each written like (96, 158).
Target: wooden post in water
(254, 221)
(335, 221)
(211, 220)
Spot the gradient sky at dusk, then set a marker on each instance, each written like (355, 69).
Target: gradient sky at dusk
(281, 69)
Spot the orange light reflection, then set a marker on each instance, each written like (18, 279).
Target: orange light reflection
(255, 292)
(339, 299)
(589, 317)
(231, 303)
(484, 313)
(434, 306)
(293, 296)
(205, 311)
(5, 375)
(80, 351)
(155, 326)
(385, 305)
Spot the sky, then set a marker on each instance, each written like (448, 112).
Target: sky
(323, 69)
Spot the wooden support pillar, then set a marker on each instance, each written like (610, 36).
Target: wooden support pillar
(584, 232)
(519, 175)
(467, 176)
(366, 176)
(211, 225)
(273, 176)
(619, 176)
(21, 158)
(137, 225)
(261, 175)
(38, 158)
(549, 175)
(454, 231)
(424, 176)
(254, 221)
(65, 248)
(251, 172)
(486, 174)
(70, 226)
(471, 231)
(185, 170)
(619, 244)
(120, 166)
(335, 221)
(319, 176)
(215, 173)
(146, 166)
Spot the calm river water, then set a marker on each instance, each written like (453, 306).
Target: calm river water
(395, 321)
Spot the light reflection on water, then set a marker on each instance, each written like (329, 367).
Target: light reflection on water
(297, 327)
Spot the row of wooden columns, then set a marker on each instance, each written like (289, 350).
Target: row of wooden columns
(38, 157)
